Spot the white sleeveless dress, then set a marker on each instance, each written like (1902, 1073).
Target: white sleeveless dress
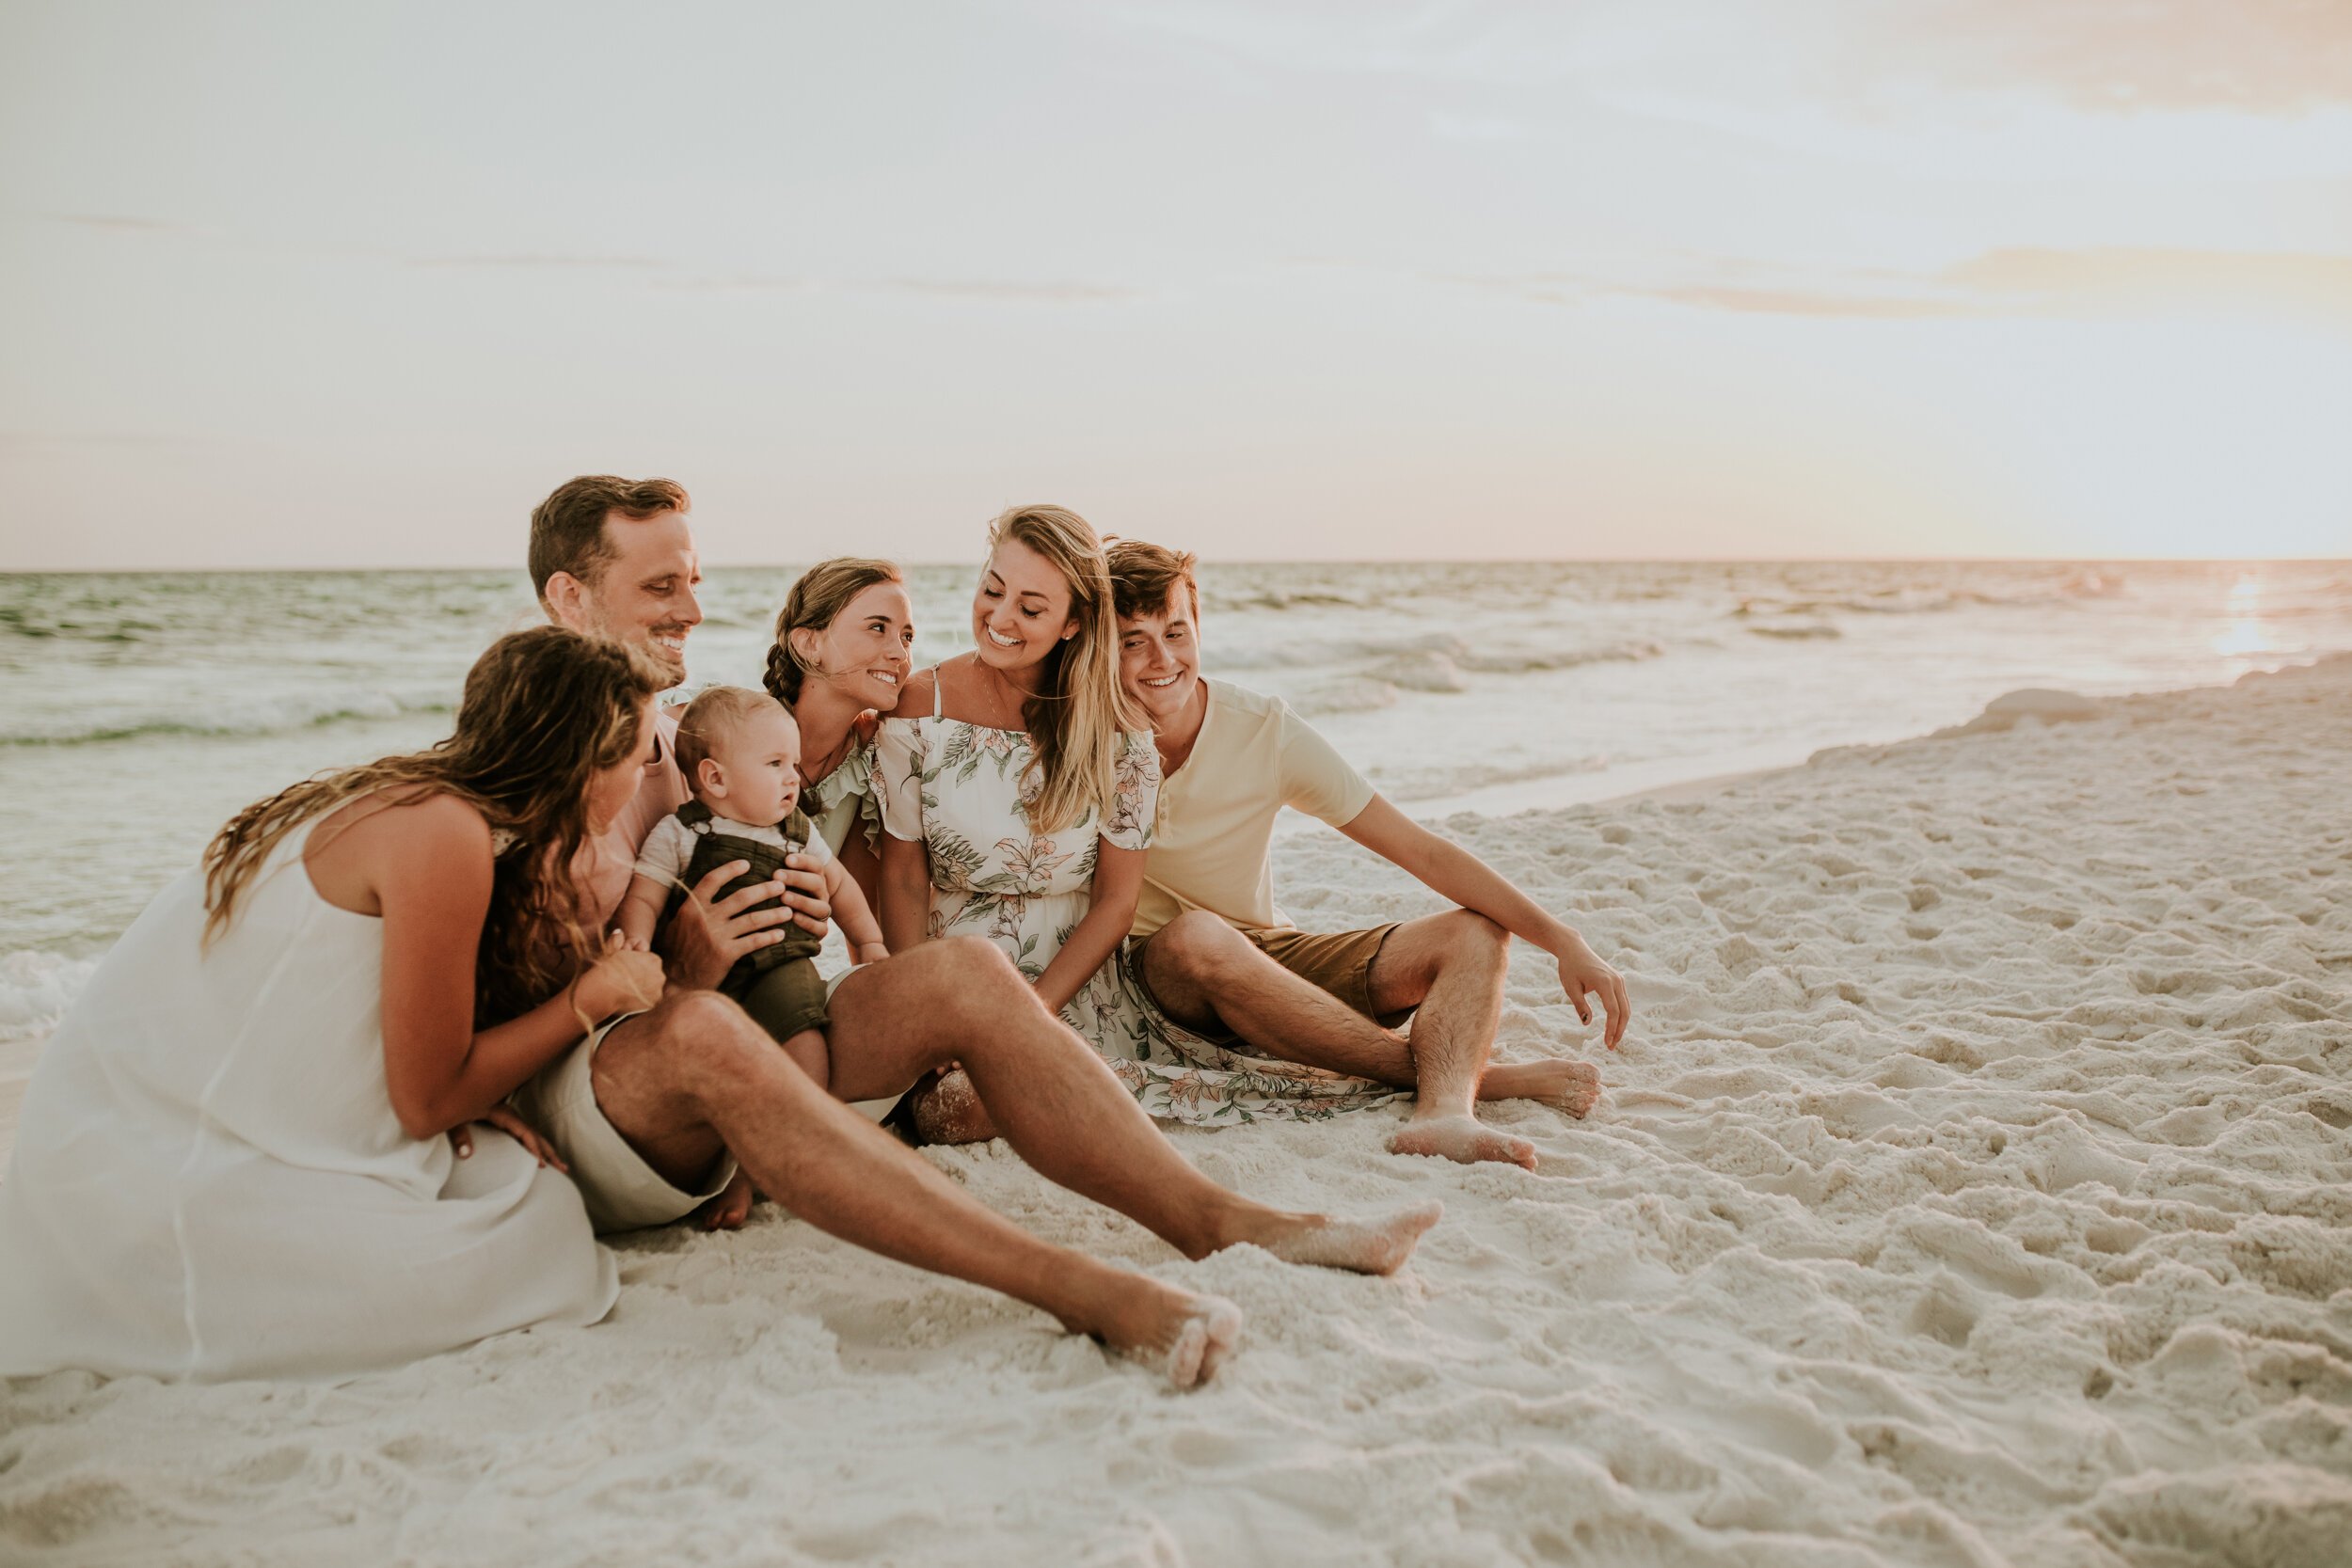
(208, 1180)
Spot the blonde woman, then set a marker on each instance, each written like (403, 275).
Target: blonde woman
(1018, 790)
(1017, 786)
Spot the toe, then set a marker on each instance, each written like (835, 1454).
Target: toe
(1184, 1357)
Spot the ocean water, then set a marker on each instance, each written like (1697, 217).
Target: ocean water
(139, 711)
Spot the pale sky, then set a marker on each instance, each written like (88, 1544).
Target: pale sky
(330, 285)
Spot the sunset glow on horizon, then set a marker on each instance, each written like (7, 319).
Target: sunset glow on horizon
(1971, 278)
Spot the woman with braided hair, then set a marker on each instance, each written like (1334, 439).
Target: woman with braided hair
(844, 645)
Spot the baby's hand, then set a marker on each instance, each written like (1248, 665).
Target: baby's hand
(872, 953)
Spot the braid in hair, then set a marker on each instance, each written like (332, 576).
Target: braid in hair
(783, 679)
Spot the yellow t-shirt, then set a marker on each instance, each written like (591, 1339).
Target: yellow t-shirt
(1213, 850)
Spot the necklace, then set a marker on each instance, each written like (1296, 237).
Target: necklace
(812, 777)
(1007, 698)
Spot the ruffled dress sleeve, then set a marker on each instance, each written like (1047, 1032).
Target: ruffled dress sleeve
(1135, 792)
(901, 751)
(844, 802)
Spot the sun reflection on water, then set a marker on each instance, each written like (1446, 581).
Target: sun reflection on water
(2245, 635)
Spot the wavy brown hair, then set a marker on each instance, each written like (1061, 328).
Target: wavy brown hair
(544, 710)
(1145, 577)
(1076, 719)
(815, 601)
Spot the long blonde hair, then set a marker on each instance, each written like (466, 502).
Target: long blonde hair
(822, 594)
(544, 710)
(1076, 719)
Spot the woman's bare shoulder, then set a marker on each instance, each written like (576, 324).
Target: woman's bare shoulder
(419, 820)
(403, 838)
(915, 698)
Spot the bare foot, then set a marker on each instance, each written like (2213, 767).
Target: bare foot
(949, 1111)
(1186, 1336)
(1464, 1139)
(1207, 1338)
(733, 1206)
(1572, 1089)
(1367, 1247)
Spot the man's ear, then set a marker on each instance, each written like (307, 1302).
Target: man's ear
(567, 598)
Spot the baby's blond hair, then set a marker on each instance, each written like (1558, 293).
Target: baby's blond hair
(712, 715)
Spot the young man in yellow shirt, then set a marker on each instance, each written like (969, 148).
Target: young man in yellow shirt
(1220, 958)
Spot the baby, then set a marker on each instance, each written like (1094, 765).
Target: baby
(740, 752)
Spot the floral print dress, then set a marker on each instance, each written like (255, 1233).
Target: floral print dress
(962, 791)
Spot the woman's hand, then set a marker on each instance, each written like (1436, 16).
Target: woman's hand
(627, 980)
(506, 1121)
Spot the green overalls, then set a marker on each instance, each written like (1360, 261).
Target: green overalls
(778, 985)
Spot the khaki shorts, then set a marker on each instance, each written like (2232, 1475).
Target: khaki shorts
(1338, 962)
(622, 1192)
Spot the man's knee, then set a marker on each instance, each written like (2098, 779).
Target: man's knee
(969, 963)
(1473, 938)
(690, 1047)
(973, 955)
(1457, 941)
(1196, 946)
(953, 979)
(703, 1028)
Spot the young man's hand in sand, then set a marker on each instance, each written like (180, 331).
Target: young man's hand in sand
(1584, 972)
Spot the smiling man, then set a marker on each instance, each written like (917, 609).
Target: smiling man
(1217, 957)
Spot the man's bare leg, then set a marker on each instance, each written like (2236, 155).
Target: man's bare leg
(1063, 1112)
(1207, 976)
(1449, 967)
(1570, 1087)
(696, 1077)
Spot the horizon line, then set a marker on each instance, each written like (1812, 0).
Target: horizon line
(1288, 561)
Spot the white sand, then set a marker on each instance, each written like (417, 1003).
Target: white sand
(1972, 1188)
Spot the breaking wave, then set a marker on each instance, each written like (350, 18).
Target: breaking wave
(35, 989)
(276, 716)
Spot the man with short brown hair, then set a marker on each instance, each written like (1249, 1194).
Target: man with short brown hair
(570, 531)
(1212, 949)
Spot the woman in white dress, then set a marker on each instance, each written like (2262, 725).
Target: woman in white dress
(231, 1160)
